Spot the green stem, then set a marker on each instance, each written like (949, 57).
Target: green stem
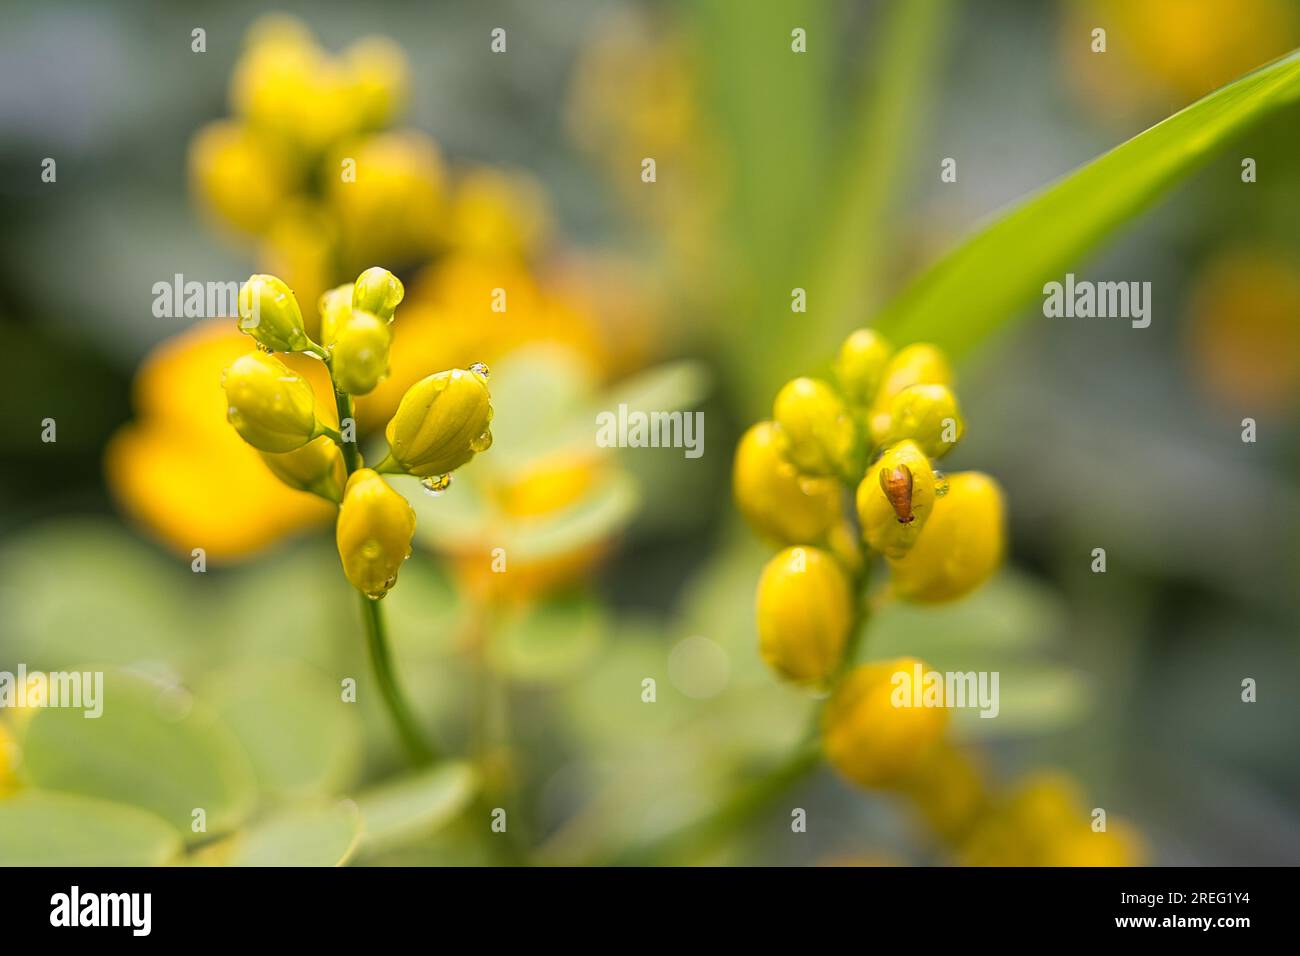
(407, 726)
(351, 456)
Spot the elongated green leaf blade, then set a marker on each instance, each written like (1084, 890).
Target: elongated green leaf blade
(980, 286)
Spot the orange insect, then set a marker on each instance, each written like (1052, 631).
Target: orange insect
(896, 483)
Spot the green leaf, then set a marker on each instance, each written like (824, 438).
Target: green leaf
(59, 829)
(550, 641)
(325, 834)
(302, 737)
(980, 286)
(404, 810)
(153, 747)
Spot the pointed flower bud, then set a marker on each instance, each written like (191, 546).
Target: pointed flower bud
(441, 423)
(962, 544)
(269, 313)
(919, 364)
(815, 431)
(805, 610)
(359, 353)
(271, 406)
(316, 467)
(378, 292)
(335, 309)
(878, 727)
(860, 365)
(777, 501)
(929, 416)
(374, 533)
(895, 499)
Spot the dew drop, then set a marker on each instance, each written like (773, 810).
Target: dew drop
(480, 369)
(265, 348)
(482, 443)
(435, 485)
(940, 484)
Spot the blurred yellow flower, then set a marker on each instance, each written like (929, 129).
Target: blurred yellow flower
(8, 760)
(1243, 333)
(182, 472)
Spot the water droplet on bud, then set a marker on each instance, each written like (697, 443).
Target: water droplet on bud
(480, 369)
(435, 485)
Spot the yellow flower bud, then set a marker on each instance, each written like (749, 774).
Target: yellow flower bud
(874, 732)
(316, 467)
(814, 429)
(335, 309)
(378, 292)
(776, 500)
(269, 313)
(271, 407)
(805, 610)
(378, 78)
(961, 546)
(359, 354)
(895, 499)
(860, 365)
(8, 761)
(374, 533)
(441, 423)
(929, 416)
(919, 364)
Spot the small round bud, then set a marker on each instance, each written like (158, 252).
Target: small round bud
(895, 499)
(335, 309)
(877, 727)
(359, 353)
(860, 365)
(919, 364)
(441, 423)
(374, 533)
(814, 429)
(271, 406)
(316, 467)
(269, 313)
(929, 416)
(378, 292)
(775, 499)
(962, 544)
(804, 610)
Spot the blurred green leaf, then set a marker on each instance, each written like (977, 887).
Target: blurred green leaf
(550, 641)
(981, 285)
(325, 834)
(84, 591)
(58, 829)
(153, 747)
(413, 807)
(302, 737)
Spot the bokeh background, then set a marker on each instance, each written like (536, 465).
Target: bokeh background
(773, 171)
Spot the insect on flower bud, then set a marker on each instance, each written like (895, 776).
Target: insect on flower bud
(877, 727)
(775, 499)
(316, 467)
(374, 533)
(962, 544)
(269, 313)
(860, 364)
(335, 309)
(359, 353)
(929, 416)
(378, 292)
(895, 499)
(441, 423)
(815, 431)
(805, 610)
(919, 364)
(272, 407)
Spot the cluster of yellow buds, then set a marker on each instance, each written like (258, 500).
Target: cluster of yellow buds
(843, 472)
(442, 421)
